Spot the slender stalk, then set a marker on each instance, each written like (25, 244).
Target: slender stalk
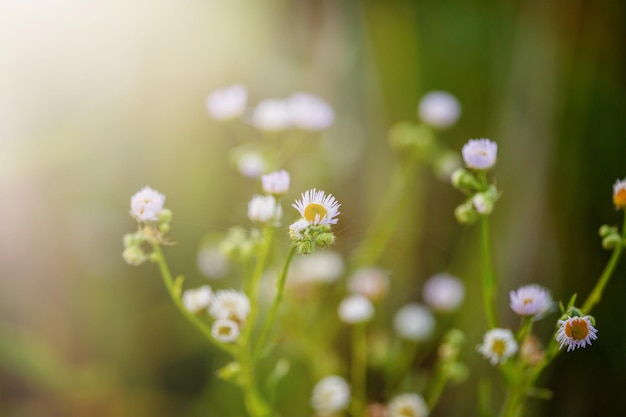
(489, 278)
(436, 386)
(176, 297)
(255, 404)
(358, 371)
(271, 316)
(596, 294)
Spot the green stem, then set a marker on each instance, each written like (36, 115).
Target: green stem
(596, 294)
(271, 316)
(513, 405)
(359, 363)
(175, 294)
(489, 278)
(255, 404)
(436, 386)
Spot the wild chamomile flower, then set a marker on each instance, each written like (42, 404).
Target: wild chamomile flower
(225, 331)
(228, 102)
(264, 209)
(230, 305)
(355, 309)
(498, 345)
(576, 332)
(480, 153)
(276, 183)
(407, 405)
(619, 194)
(146, 204)
(443, 292)
(414, 322)
(330, 395)
(439, 109)
(531, 300)
(309, 112)
(318, 208)
(197, 299)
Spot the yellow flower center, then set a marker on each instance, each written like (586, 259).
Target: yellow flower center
(406, 411)
(527, 301)
(619, 198)
(498, 347)
(313, 211)
(577, 329)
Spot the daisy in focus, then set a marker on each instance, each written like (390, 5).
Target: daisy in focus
(576, 332)
(318, 211)
(480, 153)
(531, 300)
(498, 345)
(318, 208)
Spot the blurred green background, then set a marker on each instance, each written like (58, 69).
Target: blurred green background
(98, 99)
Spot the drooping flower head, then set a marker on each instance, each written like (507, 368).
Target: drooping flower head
(619, 194)
(330, 395)
(576, 332)
(498, 345)
(276, 183)
(439, 109)
(227, 102)
(318, 208)
(480, 153)
(146, 204)
(531, 300)
(414, 322)
(407, 405)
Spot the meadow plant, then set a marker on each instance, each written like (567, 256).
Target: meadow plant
(321, 296)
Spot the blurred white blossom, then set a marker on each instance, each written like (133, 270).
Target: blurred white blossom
(228, 102)
(439, 109)
(309, 112)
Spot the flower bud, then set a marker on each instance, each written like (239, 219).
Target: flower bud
(466, 213)
(611, 241)
(134, 255)
(464, 180)
(164, 228)
(483, 203)
(605, 230)
(456, 371)
(165, 216)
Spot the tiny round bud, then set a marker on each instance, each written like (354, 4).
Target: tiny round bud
(466, 213)
(165, 216)
(134, 255)
(464, 180)
(611, 241)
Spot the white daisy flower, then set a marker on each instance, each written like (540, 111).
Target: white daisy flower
(531, 300)
(619, 193)
(276, 183)
(272, 115)
(309, 112)
(318, 208)
(198, 299)
(480, 153)
(443, 292)
(370, 282)
(414, 322)
(228, 102)
(230, 305)
(576, 332)
(264, 209)
(407, 405)
(146, 204)
(355, 309)
(330, 395)
(225, 331)
(439, 109)
(498, 345)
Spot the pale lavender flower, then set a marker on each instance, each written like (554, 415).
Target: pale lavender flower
(480, 153)
(228, 102)
(444, 292)
(531, 300)
(272, 115)
(309, 112)
(355, 309)
(276, 183)
(264, 209)
(439, 109)
(414, 322)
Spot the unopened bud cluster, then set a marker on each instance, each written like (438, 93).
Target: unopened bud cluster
(449, 352)
(610, 237)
